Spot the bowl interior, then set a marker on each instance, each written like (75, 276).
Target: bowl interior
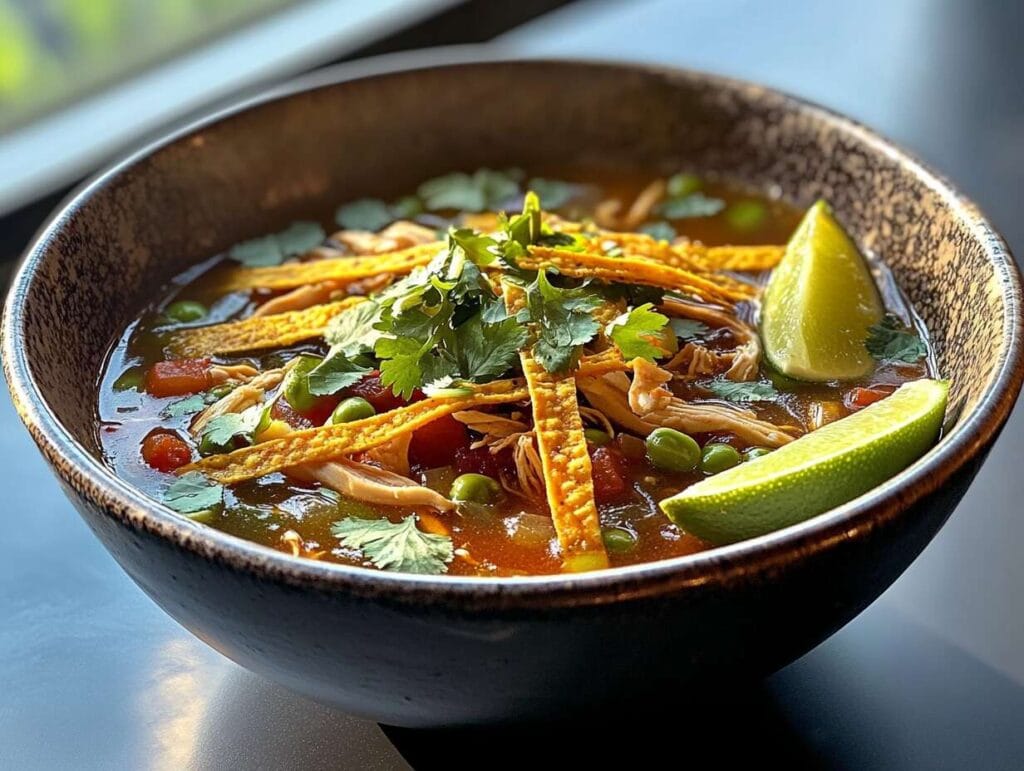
(254, 171)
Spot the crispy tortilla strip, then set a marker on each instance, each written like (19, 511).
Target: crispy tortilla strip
(279, 330)
(596, 364)
(568, 480)
(693, 256)
(742, 258)
(341, 269)
(637, 270)
(324, 443)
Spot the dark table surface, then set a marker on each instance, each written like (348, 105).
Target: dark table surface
(94, 675)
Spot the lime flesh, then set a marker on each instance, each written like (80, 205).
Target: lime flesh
(816, 472)
(819, 303)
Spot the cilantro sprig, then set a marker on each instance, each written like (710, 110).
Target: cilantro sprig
(891, 340)
(193, 492)
(753, 391)
(297, 239)
(639, 333)
(400, 547)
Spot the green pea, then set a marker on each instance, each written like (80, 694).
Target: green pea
(617, 539)
(596, 436)
(184, 311)
(718, 457)
(476, 488)
(355, 408)
(672, 450)
(746, 215)
(755, 452)
(296, 383)
(130, 380)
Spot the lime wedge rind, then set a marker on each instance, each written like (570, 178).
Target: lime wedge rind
(815, 473)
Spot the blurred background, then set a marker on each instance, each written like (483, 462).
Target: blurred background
(931, 676)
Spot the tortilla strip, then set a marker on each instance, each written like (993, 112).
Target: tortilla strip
(596, 364)
(568, 480)
(694, 256)
(278, 330)
(742, 258)
(342, 269)
(636, 270)
(324, 443)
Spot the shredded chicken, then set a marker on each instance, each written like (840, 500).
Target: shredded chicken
(694, 359)
(529, 481)
(375, 485)
(232, 373)
(597, 418)
(493, 427)
(301, 298)
(742, 362)
(610, 394)
(392, 455)
(709, 418)
(606, 213)
(367, 286)
(647, 391)
(240, 398)
(398, 235)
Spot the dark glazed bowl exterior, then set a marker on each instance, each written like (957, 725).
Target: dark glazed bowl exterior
(416, 650)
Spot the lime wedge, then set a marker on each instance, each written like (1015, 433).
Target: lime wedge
(816, 472)
(819, 303)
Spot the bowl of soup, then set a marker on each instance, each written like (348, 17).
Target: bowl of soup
(449, 409)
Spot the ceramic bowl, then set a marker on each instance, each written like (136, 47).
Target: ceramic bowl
(428, 651)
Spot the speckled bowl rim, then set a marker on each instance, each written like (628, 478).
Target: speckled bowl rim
(722, 566)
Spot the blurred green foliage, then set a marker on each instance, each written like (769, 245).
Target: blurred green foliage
(54, 50)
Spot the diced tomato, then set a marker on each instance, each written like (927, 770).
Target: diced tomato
(483, 461)
(436, 443)
(859, 398)
(376, 393)
(178, 377)
(165, 452)
(609, 473)
(284, 411)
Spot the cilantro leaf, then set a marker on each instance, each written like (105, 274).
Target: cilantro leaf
(638, 333)
(401, 365)
(488, 350)
(407, 207)
(187, 406)
(553, 193)
(755, 391)
(688, 329)
(400, 547)
(354, 329)
(889, 340)
(364, 214)
(299, 238)
(219, 434)
(691, 205)
(481, 249)
(193, 492)
(563, 319)
(483, 190)
(296, 239)
(661, 230)
(336, 372)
